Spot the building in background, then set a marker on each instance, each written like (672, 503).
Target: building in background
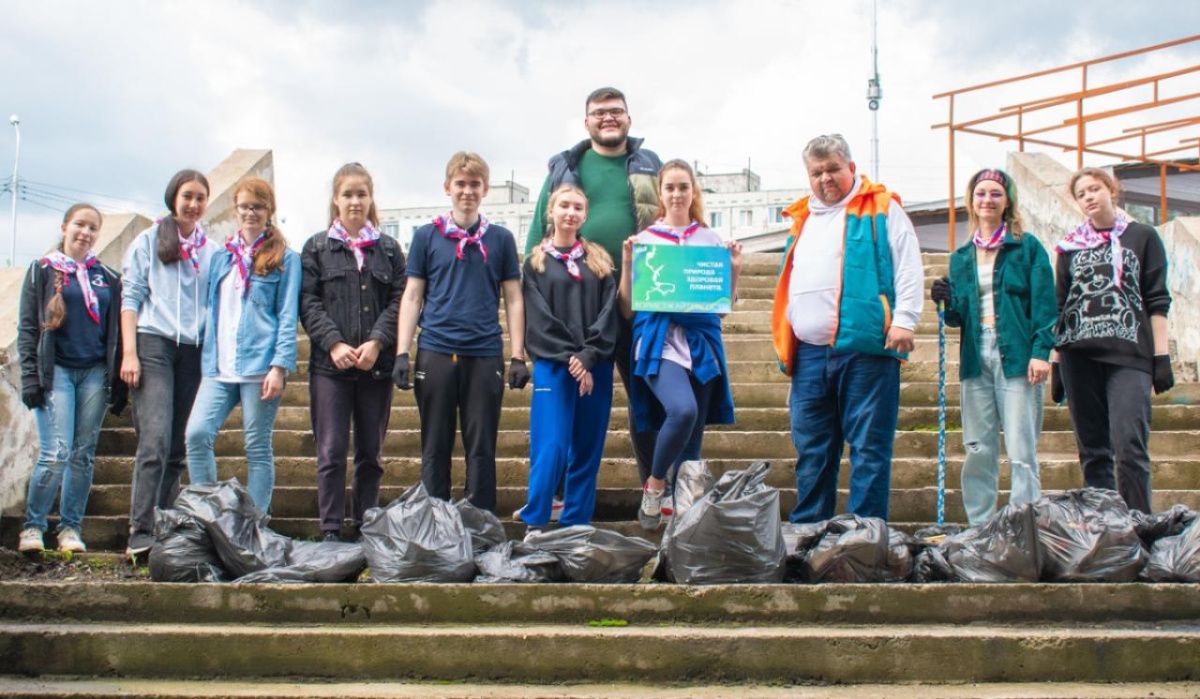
(736, 205)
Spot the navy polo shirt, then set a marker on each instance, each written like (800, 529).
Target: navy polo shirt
(79, 341)
(462, 297)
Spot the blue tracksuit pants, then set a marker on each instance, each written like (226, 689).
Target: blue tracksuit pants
(566, 442)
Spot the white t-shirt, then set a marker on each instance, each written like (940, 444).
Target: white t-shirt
(985, 271)
(675, 348)
(229, 319)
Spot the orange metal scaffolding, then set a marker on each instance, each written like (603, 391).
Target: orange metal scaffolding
(1119, 116)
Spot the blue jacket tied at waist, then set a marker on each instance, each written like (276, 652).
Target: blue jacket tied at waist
(703, 332)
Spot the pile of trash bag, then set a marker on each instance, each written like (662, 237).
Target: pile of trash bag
(580, 554)
(1176, 558)
(216, 533)
(732, 534)
(182, 551)
(417, 538)
(1085, 535)
(849, 549)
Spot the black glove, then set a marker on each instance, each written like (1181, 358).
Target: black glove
(940, 292)
(400, 372)
(33, 397)
(1164, 377)
(518, 374)
(1058, 392)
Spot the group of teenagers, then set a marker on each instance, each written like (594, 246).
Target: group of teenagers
(193, 328)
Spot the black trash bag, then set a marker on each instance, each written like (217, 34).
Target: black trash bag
(731, 535)
(1003, 549)
(182, 550)
(238, 529)
(692, 481)
(590, 555)
(315, 562)
(1087, 535)
(1152, 527)
(1176, 558)
(930, 564)
(517, 562)
(485, 527)
(797, 540)
(857, 549)
(417, 538)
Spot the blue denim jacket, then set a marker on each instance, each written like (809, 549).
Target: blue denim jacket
(267, 332)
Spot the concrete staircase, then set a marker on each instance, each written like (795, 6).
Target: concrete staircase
(541, 634)
(761, 432)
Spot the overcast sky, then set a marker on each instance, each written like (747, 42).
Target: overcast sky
(114, 96)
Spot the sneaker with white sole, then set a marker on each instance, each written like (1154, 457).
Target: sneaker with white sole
(650, 512)
(31, 540)
(69, 540)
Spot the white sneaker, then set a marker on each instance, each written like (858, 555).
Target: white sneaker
(31, 540)
(650, 512)
(69, 540)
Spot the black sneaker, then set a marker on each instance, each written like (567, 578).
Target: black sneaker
(331, 536)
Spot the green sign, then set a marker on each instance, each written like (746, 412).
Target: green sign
(682, 278)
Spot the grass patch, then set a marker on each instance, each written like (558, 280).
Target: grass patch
(607, 623)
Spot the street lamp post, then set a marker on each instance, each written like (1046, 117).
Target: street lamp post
(16, 123)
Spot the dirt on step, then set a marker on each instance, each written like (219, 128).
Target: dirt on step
(53, 566)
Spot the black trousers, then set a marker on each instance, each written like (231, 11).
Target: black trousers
(643, 442)
(449, 388)
(162, 403)
(337, 403)
(1110, 409)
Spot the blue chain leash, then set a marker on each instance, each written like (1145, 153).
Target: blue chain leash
(941, 476)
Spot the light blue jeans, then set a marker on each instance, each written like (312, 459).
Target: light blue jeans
(214, 401)
(990, 402)
(68, 427)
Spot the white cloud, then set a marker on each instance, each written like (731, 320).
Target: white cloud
(115, 97)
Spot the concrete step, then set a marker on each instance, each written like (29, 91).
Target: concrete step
(777, 418)
(1115, 652)
(307, 688)
(612, 504)
(380, 604)
(1058, 471)
(753, 444)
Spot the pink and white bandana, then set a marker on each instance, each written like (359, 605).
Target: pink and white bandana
(243, 256)
(993, 242)
(662, 230)
(367, 236)
(61, 262)
(450, 229)
(1085, 236)
(569, 258)
(189, 247)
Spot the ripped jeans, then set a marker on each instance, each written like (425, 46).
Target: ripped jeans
(68, 428)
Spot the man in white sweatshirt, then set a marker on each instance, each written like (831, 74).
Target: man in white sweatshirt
(849, 296)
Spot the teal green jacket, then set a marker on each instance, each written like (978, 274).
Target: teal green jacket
(1023, 294)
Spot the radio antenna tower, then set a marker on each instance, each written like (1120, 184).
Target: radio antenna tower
(874, 93)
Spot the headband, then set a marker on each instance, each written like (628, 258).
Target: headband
(993, 175)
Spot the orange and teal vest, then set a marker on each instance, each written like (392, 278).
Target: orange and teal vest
(868, 290)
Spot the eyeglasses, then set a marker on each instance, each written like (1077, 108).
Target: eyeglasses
(251, 208)
(614, 112)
